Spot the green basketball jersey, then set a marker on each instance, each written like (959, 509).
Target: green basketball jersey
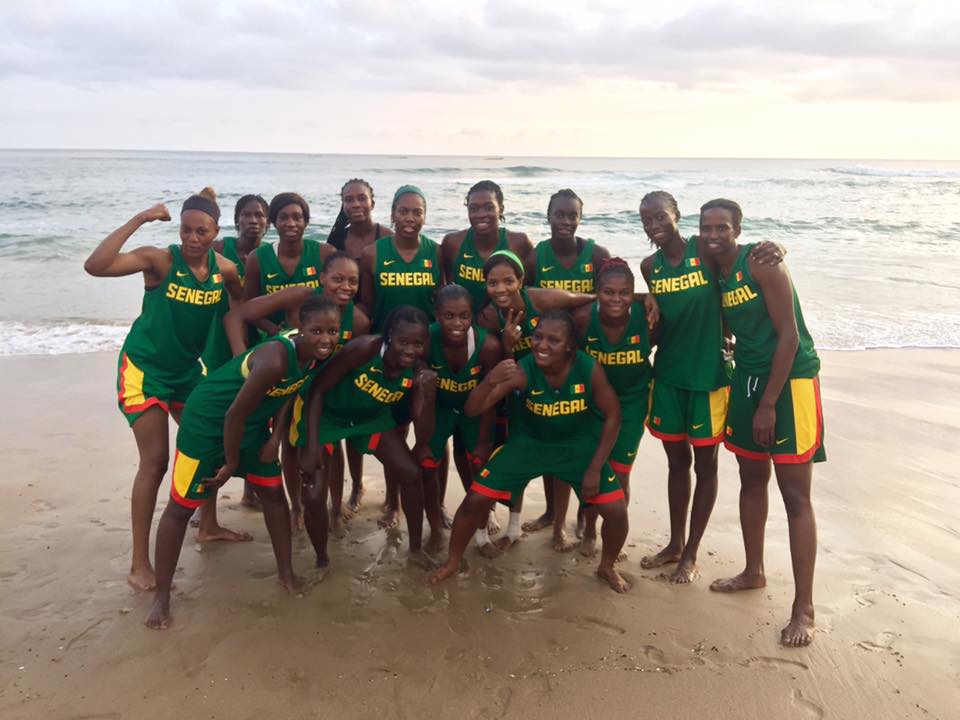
(273, 278)
(202, 420)
(454, 387)
(346, 326)
(217, 351)
(691, 326)
(748, 319)
(468, 267)
(577, 278)
(565, 415)
(627, 362)
(397, 282)
(530, 320)
(230, 253)
(174, 323)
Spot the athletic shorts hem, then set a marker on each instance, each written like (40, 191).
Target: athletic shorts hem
(430, 464)
(182, 501)
(707, 442)
(778, 458)
(267, 482)
(490, 492)
(606, 498)
(666, 437)
(620, 467)
(743, 452)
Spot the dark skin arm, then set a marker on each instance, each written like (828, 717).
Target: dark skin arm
(449, 249)
(423, 401)
(252, 311)
(268, 365)
(544, 299)
(606, 401)
(361, 323)
(778, 295)
(270, 451)
(519, 243)
(367, 291)
(231, 279)
(490, 354)
(107, 260)
(581, 320)
(251, 290)
(504, 377)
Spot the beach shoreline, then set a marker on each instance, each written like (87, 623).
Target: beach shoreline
(532, 633)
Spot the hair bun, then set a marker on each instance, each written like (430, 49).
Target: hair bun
(209, 193)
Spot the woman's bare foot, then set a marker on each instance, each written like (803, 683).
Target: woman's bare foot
(493, 526)
(338, 527)
(446, 570)
(685, 572)
(435, 543)
(159, 616)
(613, 579)
(221, 533)
(489, 550)
(445, 520)
(739, 582)
(506, 542)
(296, 520)
(389, 519)
(293, 584)
(539, 524)
(561, 544)
(668, 555)
(588, 546)
(142, 578)
(800, 630)
(356, 499)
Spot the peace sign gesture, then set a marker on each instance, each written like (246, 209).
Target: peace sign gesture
(512, 330)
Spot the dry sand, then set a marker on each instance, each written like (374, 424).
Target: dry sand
(532, 634)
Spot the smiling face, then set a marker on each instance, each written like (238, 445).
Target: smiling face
(564, 218)
(551, 344)
(252, 222)
(409, 214)
(357, 202)
(291, 223)
(503, 285)
(407, 343)
(717, 230)
(659, 221)
(455, 317)
(483, 212)
(341, 280)
(197, 232)
(321, 331)
(615, 294)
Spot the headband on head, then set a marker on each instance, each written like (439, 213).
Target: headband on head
(198, 202)
(511, 256)
(409, 190)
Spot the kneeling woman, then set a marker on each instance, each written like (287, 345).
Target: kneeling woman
(225, 432)
(353, 399)
(564, 419)
(775, 412)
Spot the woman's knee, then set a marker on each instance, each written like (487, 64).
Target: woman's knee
(270, 494)
(679, 456)
(796, 501)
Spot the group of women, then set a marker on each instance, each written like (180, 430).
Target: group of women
(286, 363)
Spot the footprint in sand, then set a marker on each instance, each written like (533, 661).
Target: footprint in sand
(587, 622)
(883, 642)
(811, 708)
(774, 663)
(41, 505)
(654, 654)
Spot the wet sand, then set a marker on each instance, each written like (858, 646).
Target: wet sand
(533, 634)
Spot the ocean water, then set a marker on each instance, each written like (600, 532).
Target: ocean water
(871, 245)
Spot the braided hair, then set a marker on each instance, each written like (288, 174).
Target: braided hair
(612, 267)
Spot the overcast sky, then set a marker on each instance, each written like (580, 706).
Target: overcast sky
(757, 78)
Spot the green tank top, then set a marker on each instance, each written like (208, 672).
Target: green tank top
(397, 282)
(691, 327)
(747, 317)
(174, 323)
(551, 274)
(454, 387)
(346, 326)
(230, 253)
(365, 394)
(217, 351)
(273, 278)
(626, 363)
(566, 415)
(468, 267)
(210, 400)
(530, 320)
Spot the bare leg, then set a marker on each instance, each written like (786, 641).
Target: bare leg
(315, 513)
(754, 477)
(398, 462)
(545, 520)
(355, 462)
(470, 517)
(794, 482)
(249, 498)
(276, 515)
(151, 433)
(170, 533)
(614, 531)
(210, 528)
(588, 546)
(561, 501)
(704, 497)
(432, 508)
(335, 481)
(679, 458)
(293, 479)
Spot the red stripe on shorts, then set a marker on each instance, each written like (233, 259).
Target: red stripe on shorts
(489, 492)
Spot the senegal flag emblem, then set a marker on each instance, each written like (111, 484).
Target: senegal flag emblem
(634, 339)
(578, 388)
(407, 383)
(693, 262)
(428, 263)
(588, 267)
(739, 276)
(217, 278)
(475, 370)
(311, 271)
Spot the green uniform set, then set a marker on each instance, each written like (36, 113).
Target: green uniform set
(398, 282)
(158, 363)
(217, 352)
(799, 423)
(200, 438)
(273, 278)
(452, 391)
(627, 366)
(552, 432)
(691, 381)
(358, 408)
(529, 323)
(577, 278)
(468, 267)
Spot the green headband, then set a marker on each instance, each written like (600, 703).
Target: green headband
(511, 256)
(408, 190)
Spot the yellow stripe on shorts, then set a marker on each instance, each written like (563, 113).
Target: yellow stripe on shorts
(295, 420)
(719, 400)
(131, 383)
(803, 392)
(184, 470)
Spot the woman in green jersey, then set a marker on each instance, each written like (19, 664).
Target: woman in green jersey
(775, 410)
(513, 314)
(250, 220)
(566, 261)
(355, 398)
(564, 421)
(461, 354)
(295, 262)
(463, 253)
(352, 232)
(159, 364)
(688, 401)
(613, 330)
(339, 282)
(226, 431)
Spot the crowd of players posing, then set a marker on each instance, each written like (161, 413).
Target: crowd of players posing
(535, 360)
